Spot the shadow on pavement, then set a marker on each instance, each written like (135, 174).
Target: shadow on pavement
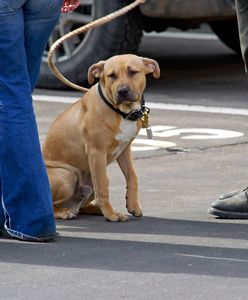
(162, 256)
(158, 226)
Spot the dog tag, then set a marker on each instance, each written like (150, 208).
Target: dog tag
(149, 132)
(145, 120)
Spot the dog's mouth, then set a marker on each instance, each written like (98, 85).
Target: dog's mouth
(125, 95)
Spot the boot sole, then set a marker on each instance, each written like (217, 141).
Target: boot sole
(227, 215)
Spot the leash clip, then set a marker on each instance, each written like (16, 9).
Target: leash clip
(145, 117)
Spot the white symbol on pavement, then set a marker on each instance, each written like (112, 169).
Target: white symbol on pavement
(161, 131)
(146, 145)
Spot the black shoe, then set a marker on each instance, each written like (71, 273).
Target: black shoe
(233, 205)
(231, 194)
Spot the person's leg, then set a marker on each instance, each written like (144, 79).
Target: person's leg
(40, 18)
(2, 217)
(26, 196)
(235, 204)
(242, 14)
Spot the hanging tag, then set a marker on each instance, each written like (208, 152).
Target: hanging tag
(145, 123)
(149, 132)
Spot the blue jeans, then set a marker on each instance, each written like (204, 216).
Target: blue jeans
(26, 204)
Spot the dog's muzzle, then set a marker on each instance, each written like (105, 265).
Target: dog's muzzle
(124, 94)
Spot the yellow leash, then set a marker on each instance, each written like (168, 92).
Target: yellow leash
(81, 29)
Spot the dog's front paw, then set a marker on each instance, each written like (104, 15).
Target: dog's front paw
(135, 210)
(116, 217)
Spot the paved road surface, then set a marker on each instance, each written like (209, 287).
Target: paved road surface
(176, 251)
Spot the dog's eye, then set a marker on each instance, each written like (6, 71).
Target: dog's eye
(132, 72)
(112, 76)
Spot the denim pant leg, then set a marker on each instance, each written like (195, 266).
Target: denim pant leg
(2, 217)
(40, 18)
(242, 14)
(26, 196)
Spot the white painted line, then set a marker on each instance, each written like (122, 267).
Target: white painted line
(55, 99)
(183, 35)
(160, 106)
(199, 108)
(213, 257)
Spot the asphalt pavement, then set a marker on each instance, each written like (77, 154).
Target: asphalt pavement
(176, 250)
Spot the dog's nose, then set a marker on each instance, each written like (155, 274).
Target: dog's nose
(123, 91)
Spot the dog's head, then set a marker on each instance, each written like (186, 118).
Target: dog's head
(123, 77)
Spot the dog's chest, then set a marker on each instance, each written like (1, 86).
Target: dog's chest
(128, 131)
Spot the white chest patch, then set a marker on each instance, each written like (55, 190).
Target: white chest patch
(128, 131)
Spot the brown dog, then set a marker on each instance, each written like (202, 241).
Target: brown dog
(92, 133)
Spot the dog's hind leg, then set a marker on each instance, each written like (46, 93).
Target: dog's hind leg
(68, 189)
(62, 204)
(90, 209)
(63, 213)
(78, 199)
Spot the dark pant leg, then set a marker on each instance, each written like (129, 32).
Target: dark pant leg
(242, 13)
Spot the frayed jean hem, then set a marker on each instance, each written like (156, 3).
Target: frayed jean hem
(24, 237)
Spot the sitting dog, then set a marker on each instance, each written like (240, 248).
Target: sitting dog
(92, 133)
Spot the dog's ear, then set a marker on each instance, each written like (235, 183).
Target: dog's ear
(151, 67)
(95, 71)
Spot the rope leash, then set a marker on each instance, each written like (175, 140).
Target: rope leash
(82, 29)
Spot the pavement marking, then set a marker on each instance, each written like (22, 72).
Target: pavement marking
(157, 105)
(148, 145)
(160, 131)
(199, 133)
(183, 35)
(213, 257)
(199, 108)
(55, 99)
